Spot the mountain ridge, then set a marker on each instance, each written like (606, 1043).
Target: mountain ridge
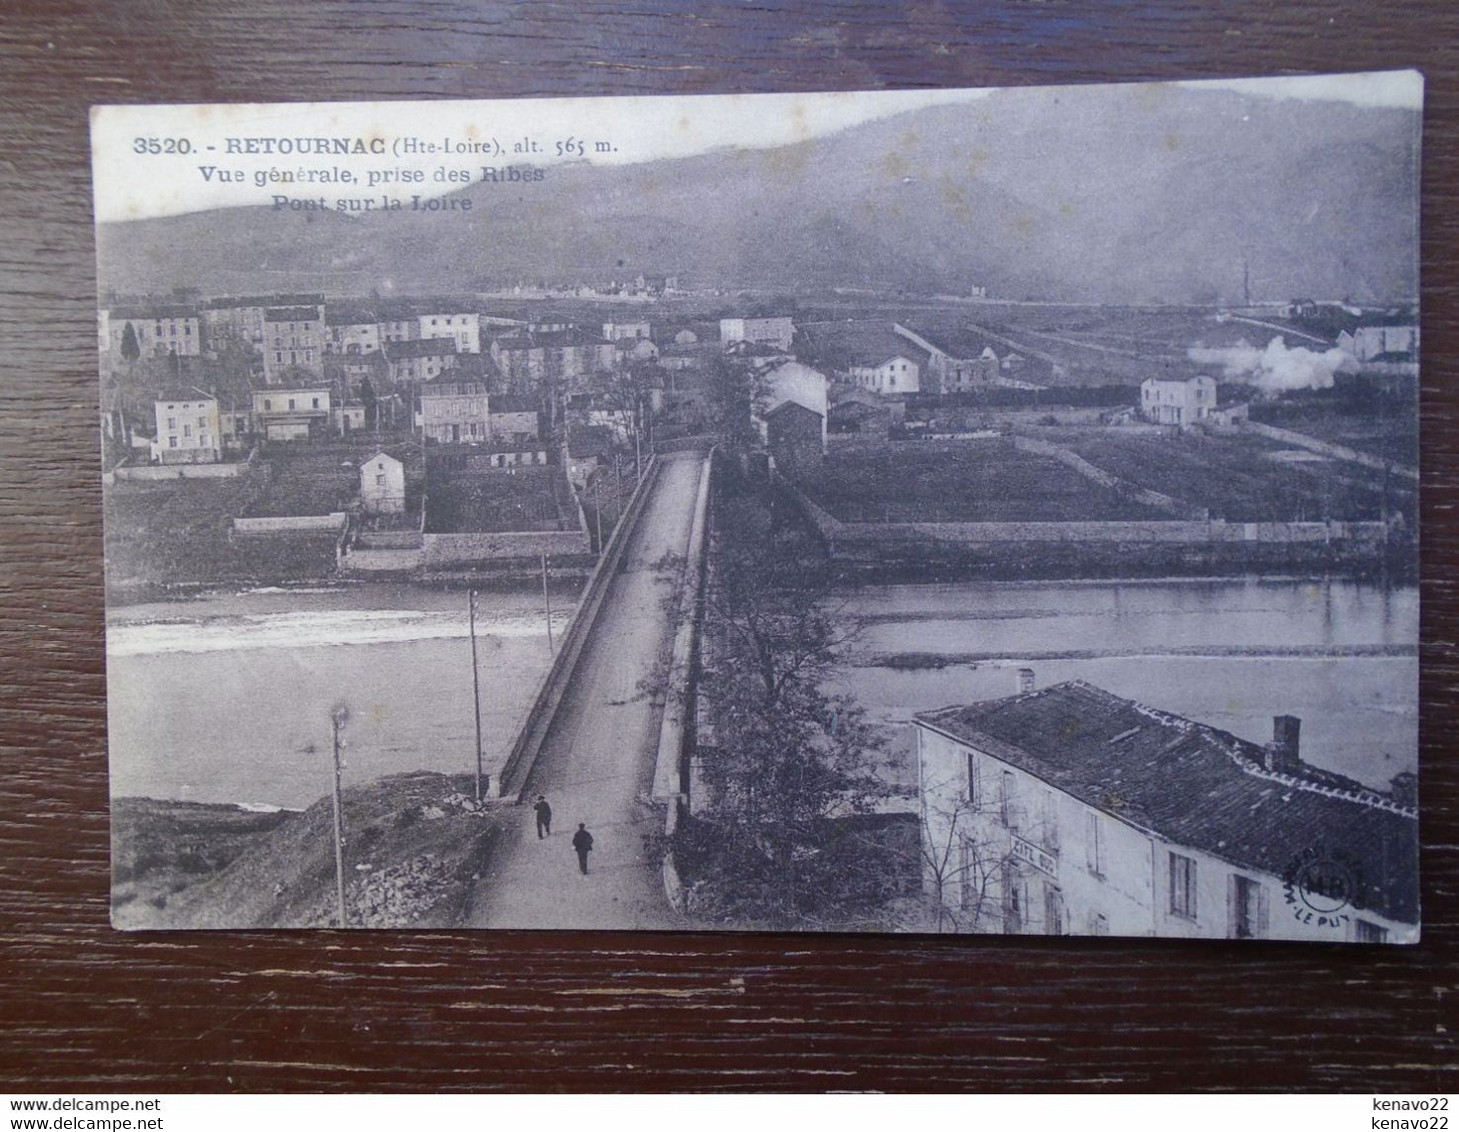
(1118, 194)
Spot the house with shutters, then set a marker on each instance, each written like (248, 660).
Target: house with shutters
(415, 360)
(188, 428)
(455, 412)
(1072, 811)
(293, 340)
(291, 414)
(1178, 401)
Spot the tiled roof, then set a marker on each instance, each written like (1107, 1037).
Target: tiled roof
(233, 302)
(291, 314)
(1197, 786)
(590, 440)
(506, 403)
(185, 393)
(420, 348)
(151, 312)
(353, 314)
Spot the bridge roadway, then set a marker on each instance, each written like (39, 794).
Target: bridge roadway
(597, 761)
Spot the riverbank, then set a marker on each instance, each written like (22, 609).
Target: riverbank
(414, 846)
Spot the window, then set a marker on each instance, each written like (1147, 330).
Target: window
(172, 442)
(1093, 843)
(1013, 899)
(171, 424)
(291, 402)
(203, 439)
(1053, 910)
(1008, 801)
(1099, 924)
(187, 430)
(975, 793)
(316, 402)
(1182, 886)
(967, 868)
(267, 405)
(202, 422)
(380, 480)
(1248, 908)
(1049, 819)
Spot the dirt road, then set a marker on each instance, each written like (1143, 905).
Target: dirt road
(596, 765)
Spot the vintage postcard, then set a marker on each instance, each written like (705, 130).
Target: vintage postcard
(983, 511)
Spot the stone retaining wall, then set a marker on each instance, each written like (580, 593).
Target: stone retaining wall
(151, 473)
(283, 524)
(1326, 448)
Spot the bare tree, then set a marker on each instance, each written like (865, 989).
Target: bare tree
(962, 863)
(788, 759)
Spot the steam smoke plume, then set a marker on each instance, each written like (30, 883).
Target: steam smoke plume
(1276, 367)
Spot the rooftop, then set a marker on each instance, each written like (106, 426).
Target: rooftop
(420, 348)
(506, 403)
(184, 393)
(234, 302)
(144, 311)
(955, 343)
(291, 314)
(1197, 786)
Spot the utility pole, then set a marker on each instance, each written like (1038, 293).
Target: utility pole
(598, 508)
(339, 715)
(547, 602)
(475, 688)
(637, 453)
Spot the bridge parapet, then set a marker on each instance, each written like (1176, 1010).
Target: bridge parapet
(537, 720)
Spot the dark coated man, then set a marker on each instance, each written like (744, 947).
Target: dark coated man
(582, 842)
(544, 817)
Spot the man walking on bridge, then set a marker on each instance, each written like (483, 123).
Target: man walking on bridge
(582, 841)
(544, 817)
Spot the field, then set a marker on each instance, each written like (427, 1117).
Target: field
(1389, 436)
(962, 481)
(524, 499)
(180, 532)
(1238, 478)
(1066, 345)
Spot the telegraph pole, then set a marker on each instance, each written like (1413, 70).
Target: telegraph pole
(598, 508)
(338, 717)
(547, 602)
(475, 687)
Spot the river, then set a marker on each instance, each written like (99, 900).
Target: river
(1342, 656)
(219, 699)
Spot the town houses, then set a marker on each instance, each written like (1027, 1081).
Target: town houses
(382, 434)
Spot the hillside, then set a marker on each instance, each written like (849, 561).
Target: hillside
(414, 846)
(1108, 194)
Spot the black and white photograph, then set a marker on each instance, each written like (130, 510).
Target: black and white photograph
(986, 511)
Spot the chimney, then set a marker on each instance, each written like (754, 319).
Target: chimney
(1283, 753)
(1403, 789)
(1025, 681)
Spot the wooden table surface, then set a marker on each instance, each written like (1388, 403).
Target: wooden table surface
(85, 1008)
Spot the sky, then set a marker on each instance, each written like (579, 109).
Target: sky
(194, 170)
